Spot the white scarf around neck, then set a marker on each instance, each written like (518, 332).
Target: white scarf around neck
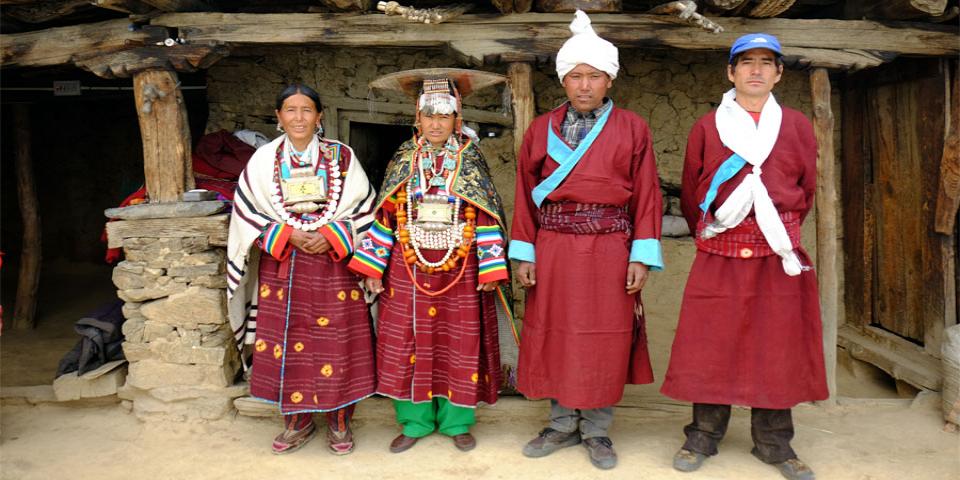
(754, 142)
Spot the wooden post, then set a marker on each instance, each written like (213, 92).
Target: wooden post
(165, 133)
(25, 307)
(948, 198)
(524, 108)
(826, 222)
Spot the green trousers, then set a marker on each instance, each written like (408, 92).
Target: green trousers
(421, 419)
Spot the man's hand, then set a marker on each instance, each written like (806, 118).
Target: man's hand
(488, 287)
(309, 242)
(527, 273)
(636, 277)
(374, 285)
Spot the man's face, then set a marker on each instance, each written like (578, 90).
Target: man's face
(586, 86)
(755, 73)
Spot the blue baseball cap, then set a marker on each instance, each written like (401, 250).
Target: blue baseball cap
(755, 40)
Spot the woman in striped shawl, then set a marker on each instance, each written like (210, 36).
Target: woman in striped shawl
(300, 203)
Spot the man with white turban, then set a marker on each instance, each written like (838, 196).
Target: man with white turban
(586, 230)
(749, 331)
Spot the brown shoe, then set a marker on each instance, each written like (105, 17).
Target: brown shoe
(402, 443)
(549, 441)
(601, 452)
(464, 442)
(291, 440)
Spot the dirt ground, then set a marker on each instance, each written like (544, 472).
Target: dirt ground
(866, 441)
(871, 435)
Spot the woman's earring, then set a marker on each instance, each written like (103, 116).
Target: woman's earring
(279, 128)
(319, 129)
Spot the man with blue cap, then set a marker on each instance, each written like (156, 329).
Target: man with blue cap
(749, 331)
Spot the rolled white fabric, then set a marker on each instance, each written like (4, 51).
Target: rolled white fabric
(585, 46)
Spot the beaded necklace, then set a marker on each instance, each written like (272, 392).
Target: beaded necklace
(453, 236)
(325, 161)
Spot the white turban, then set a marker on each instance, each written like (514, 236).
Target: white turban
(585, 46)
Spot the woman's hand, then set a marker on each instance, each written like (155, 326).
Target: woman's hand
(374, 285)
(309, 242)
(489, 286)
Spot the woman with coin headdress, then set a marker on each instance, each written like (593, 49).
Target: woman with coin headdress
(435, 255)
(299, 205)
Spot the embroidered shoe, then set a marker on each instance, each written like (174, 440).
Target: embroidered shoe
(601, 452)
(794, 469)
(686, 461)
(340, 443)
(549, 441)
(291, 440)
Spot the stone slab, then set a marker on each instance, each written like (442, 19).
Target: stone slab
(148, 374)
(195, 305)
(150, 292)
(73, 387)
(166, 210)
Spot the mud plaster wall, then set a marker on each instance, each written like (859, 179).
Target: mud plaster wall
(671, 89)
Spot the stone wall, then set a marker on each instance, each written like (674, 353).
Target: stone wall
(180, 347)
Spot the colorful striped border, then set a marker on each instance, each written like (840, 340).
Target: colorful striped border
(275, 239)
(371, 256)
(341, 242)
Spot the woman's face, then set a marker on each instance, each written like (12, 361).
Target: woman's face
(436, 127)
(299, 118)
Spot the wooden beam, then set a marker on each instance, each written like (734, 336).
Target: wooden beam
(540, 33)
(25, 306)
(892, 354)
(59, 46)
(46, 11)
(589, 6)
(948, 197)
(213, 227)
(894, 9)
(135, 7)
(524, 106)
(180, 5)
(346, 103)
(347, 5)
(182, 58)
(826, 201)
(165, 133)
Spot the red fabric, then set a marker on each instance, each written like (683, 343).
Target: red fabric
(746, 240)
(446, 345)
(749, 334)
(329, 319)
(221, 155)
(580, 342)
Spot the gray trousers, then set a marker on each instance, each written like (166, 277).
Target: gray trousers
(593, 422)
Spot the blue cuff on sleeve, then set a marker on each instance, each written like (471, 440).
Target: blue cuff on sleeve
(648, 252)
(523, 251)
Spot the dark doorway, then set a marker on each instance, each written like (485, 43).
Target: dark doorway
(375, 144)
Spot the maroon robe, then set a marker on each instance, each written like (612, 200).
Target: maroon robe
(581, 341)
(749, 334)
(437, 346)
(314, 348)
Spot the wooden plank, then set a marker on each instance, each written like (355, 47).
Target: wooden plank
(858, 264)
(469, 114)
(180, 5)
(894, 355)
(522, 99)
(46, 11)
(826, 202)
(165, 133)
(182, 58)
(31, 250)
(126, 6)
(58, 46)
(213, 227)
(533, 31)
(894, 9)
(589, 6)
(948, 197)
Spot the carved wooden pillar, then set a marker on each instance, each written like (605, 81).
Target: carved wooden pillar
(524, 106)
(165, 133)
(161, 110)
(25, 306)
(827, 205)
